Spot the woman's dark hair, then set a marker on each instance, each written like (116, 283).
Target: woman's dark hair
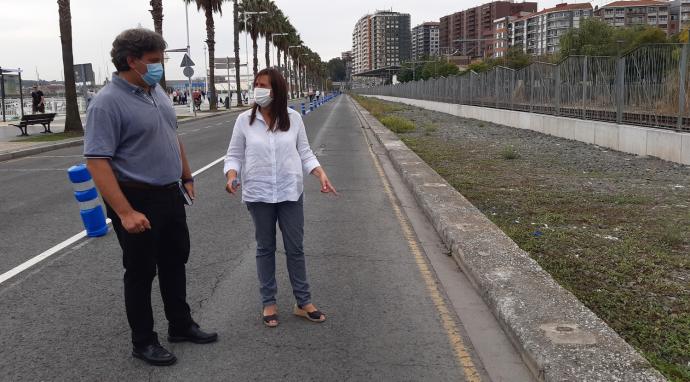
(135, 42)
(278, 109)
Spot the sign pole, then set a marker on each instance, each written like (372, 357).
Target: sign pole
(21, 92)
(2, 93)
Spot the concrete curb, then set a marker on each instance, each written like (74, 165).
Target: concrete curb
(41, 148)
(557, 336)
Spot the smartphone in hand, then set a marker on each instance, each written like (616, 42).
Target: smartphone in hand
(183, 191)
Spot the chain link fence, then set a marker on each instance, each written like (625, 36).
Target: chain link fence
(648, 86)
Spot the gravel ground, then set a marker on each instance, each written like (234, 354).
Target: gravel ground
(610, 227)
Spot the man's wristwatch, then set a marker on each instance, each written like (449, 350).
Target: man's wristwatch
(188, 180)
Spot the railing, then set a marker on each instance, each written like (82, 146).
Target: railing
(649, 86)
(53, 105)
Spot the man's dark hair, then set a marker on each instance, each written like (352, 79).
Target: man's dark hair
(135, 42)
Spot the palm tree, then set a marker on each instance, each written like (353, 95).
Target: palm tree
(282, 25)
(283, 44)
(294, 54)
(157, 15)
(210, 7)
(254, 25)
(72, 121)
(236, 38)
(271, 24)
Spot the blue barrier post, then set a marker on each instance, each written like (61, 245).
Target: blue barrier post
(311, 106)
(303, 111)
(86, 194)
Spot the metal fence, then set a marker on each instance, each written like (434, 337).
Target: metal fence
(57, 105)
(648, 86)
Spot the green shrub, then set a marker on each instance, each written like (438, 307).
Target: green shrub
(509, 153)
(397, 124)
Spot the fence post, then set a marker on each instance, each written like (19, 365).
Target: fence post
(471, 93)
(683, 67)
(557, 89)
(584, 85)
(620, 88)
(511, 89)
(531, 88)
(496, 94)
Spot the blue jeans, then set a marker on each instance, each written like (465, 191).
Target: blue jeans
(290, 218)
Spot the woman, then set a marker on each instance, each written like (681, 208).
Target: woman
(269, 148)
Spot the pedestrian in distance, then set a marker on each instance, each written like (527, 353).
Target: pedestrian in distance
(318, 94)
(89, 97)
(38, 101)
(140, 167)
(196, 98)
(269, 151)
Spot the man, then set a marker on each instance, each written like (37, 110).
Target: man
(136, 160)
(38, 104)
(89, 97)
(196, 97)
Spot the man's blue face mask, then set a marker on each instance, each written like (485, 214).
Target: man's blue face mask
(154, 73)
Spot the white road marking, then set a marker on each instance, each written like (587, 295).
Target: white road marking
(56, 156)
(59, 247)
(31, 169)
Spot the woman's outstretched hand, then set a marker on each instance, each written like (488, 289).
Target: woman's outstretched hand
(233, 184)
(326, 185)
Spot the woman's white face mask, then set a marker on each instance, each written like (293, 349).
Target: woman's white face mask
(262, 96)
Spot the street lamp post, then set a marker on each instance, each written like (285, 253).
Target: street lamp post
(246, 46)
(205, 72)
(272, 37)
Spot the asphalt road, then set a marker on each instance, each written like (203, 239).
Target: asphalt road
(64, 318)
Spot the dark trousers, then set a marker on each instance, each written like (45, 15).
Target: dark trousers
(290, 218)
(164, 247)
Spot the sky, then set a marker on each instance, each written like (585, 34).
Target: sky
(30, 31)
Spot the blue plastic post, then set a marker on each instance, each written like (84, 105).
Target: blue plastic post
(86, 194)
(303, 111)
(311, 106)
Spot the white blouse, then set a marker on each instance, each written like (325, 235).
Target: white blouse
(270, 164)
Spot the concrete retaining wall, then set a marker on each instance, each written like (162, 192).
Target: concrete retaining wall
(664, 144)
(557, 336)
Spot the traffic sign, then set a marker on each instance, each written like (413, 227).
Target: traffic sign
(188, 71)
(186, 61)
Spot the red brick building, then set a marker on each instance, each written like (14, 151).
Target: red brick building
(470, 32)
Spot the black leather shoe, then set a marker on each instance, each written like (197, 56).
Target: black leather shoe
(154, 354)
(193, 334)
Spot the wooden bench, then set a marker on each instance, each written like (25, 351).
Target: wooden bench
(35, 119)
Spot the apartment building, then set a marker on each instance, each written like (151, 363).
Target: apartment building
(503, 32)
(425, 40)
(347, 60)
(540, 33)
(381, 40)
(637, 13)
(471, 32)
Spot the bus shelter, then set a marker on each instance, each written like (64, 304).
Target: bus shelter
(10, 87)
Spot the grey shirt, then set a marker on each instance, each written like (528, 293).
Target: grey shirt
(136, 131)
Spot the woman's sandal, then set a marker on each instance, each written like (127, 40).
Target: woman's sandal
(315, 316)
(271, 320)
